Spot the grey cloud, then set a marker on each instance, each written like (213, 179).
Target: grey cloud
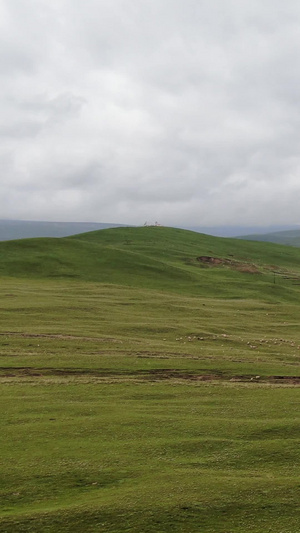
(125, 111)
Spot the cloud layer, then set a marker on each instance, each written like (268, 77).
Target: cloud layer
(186, 112)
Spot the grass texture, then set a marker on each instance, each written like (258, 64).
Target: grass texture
(146, 391)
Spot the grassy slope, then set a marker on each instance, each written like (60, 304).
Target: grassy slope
(176, 244)
(108, 425)
(162, 258)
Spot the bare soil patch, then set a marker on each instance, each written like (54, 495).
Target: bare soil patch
(236, 265)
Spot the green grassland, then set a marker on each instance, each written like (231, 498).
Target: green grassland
(145, 390)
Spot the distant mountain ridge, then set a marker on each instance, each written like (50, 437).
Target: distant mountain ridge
(289, 238)
(241, 231)
(27, 229)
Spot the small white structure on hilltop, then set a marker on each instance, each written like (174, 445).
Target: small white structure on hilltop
(149, 225)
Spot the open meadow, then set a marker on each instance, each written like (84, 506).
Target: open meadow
(150, 384)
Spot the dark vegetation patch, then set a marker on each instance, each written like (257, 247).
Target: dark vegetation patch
(151, 374)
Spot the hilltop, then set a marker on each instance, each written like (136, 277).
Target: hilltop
(29, 229)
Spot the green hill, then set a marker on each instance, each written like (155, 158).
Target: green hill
(157, 257)
(288, 238)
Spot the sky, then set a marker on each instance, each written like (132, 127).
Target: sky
(184, 112)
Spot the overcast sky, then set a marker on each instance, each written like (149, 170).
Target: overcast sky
(182, 111)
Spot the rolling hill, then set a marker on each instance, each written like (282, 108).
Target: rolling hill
(157, 257)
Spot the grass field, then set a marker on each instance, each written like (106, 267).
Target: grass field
(144, 390)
